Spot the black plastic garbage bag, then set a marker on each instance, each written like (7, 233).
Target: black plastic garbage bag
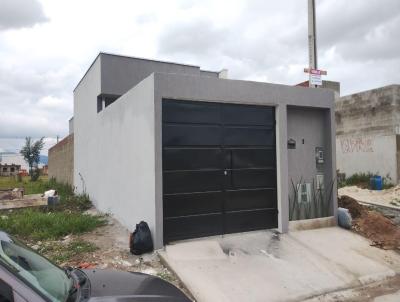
(141, 241)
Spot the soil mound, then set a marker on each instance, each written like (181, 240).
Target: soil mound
(352, 205)
(379, 229)
(371, 224)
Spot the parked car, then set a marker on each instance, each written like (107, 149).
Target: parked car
(26, 276)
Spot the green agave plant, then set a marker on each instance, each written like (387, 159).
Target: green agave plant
(318, 203)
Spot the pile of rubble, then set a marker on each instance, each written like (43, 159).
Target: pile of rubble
(15, 198)
(11, 194)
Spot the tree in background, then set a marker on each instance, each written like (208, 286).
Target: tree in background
(31, 154)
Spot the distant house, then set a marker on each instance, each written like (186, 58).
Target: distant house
(9, 170)
(14, 158)
(44, 170)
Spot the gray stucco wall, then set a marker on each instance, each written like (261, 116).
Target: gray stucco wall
(119, 73)
(245, 92)
(367, 125)
(207, 73)
(86, 164)
(310, 128)
(114, 150)
(71, 125)
(125, 154)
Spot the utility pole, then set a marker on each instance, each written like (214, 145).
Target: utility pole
(312, 39)
(314, 79)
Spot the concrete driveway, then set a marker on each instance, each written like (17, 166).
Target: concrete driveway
(265, 266)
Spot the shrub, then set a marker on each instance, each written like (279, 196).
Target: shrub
(362, 180)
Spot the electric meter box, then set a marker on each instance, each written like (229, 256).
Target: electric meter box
(319, 156)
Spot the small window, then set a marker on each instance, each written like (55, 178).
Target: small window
(6, 292)
(12, 169)
(104, 100)
(4, 169)
(99, 104)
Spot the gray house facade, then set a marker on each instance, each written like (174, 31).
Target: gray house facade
(194, 154)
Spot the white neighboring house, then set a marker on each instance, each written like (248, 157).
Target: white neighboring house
(14, 158)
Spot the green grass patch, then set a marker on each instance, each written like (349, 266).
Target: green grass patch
(359, 179)
(31, 187)
(47, 224)
(68, 200)
(60, 252)
(35, 224)
(362, 180)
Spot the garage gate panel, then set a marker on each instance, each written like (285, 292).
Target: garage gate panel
(219, 168)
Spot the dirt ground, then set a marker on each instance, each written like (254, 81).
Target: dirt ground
(113, 253)
(6, 195)
(381, 225)
(373, 224)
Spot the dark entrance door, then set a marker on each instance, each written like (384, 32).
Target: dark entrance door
(219, 168)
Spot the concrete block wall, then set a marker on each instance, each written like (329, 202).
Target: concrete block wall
(376, 112)
(61, 161)
(367, 125)
(366, 153)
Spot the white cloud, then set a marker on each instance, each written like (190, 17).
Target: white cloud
(50, 102)
(20, 13)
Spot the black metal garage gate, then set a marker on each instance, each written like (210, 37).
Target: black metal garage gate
(219, 168)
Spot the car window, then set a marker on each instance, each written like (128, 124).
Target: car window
(36, 270)
(6, 292)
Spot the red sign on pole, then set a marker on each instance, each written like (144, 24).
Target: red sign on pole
(315, 71)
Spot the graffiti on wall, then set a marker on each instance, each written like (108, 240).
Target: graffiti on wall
(361, 144)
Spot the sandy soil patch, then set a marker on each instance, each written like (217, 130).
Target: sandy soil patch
(388, 198)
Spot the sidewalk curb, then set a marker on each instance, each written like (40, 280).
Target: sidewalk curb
(161, 255)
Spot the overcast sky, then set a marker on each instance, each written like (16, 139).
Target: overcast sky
(46, 46)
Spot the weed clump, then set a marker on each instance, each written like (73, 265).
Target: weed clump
(34, 224)
(362, 180)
